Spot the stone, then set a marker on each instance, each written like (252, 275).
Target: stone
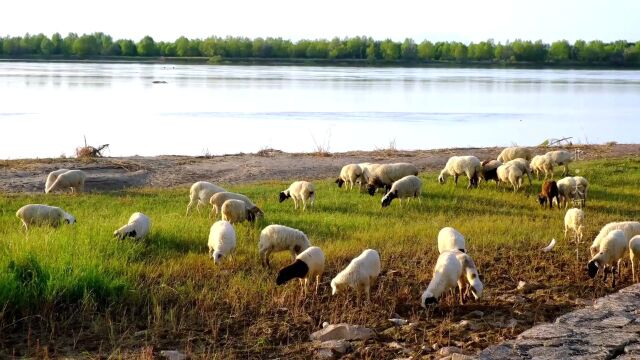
(343, 332)
(545, 332)
(172, 355)
(449, 350)
(614, 321)
(336, 346)
(475, 313)
(399, 322)
(499, 352)
(325, 354)
(632, 349)
(457, 356)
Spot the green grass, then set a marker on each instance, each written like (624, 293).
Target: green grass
(76, 289)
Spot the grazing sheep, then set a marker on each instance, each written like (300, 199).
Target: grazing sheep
(72, 179)
(630, 229)
(548, 193)
(542, 164)
(453, 268)
(360, 274)
(574, 220)
(582, 187)
(308, 265)
(367, 170)
(634, 254)
(610, 251)
(349, 174)
(235, 211)
(450, 239)
(515, 152)
(137, 227)
(560, 157)
(490, 170)
(510, 174)
(38, 214)
(300, 191)
(276, 238)
(566, 190)
(218, 199)
(523, 165)
(200, 193)
(51, 178)
(459, 165)
(405, 188)
(385, 175)
(222, 240)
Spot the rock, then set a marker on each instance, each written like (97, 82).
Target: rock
(141, 333)
(457, 356)
(466, 325)
(521, 285)
(172, 355)
(325, 354)
(325, 324)
(335, 346)
(475, 313)
(398, 322)
(435, 347)
(545, 332)
(395, 345)
(449, 350)
(343, 331)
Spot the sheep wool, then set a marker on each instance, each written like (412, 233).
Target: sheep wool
(630, 229)
(489, 170)
(300, 191)
(39, 214)
(222, 240)
(405, 188)
(349, 174)
(218, 199)
(566, 190)
(510, 174)
(450, 239)
(446, 274)
(574, 221)
(360, 274)
(560, 157)
(137, 228)
(276, 238)
(462, 165)
(367, 170)
(634, 254)
(72, 180)
(549, 192)
(515, 152)
(234, 211)
(582, 187)
(385, 175)
(542, 164)
(200, 194)
(610, 251)
(523, 165)
(51, 178)
(308, 265)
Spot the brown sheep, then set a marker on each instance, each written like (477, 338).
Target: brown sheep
(549, 191)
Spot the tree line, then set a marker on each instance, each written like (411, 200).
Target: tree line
(596, 52)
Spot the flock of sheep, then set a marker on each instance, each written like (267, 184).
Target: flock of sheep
(454, 266)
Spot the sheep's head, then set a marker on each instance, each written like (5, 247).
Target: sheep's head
(336, 287)
(592, 268)
(428, 299)
(542, 199)
(284, 195)
(371, 189)
(298, 269)
(340, 182)
(476, 288)
(386, 200)
(254, 214)
(69, 219)
(217, 257)
(442, 178)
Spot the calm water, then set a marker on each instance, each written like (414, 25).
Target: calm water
(46, 108)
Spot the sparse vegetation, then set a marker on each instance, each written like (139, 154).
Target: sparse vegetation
(77, 290)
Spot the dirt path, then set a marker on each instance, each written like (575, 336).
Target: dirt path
(167, 171)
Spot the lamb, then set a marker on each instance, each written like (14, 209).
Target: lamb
(450, 239)
(453, 268)
(200, 194)
(137, 227)
(574, 220)
(300, 191)
(548, 193)
(235, 211)
(72, 179)
(582, 187)
(511, 174)
(407, 187)
(566, 190)
(610, 252)
(634, 254)
(360, 274)
(490, 170)
(523, 165)
(38, 214)
(560, 157)
(275, 238)
(542, 164)
(630, 229)
(385, 175)
(218, 199)
(515, 152)
(51, 178)
(349, 174)
(222, 240)
(308, 265)
(458, 165)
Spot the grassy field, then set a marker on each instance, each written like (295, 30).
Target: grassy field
(78, 291)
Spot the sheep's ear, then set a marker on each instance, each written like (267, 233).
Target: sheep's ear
(592, 269)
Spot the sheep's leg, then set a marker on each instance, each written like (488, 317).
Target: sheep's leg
(189, 207)
(213, 213)
(565, 231)
(613, 276)
(313, 199)
(304, 204)
(317, 283)
(566, 170)
(633, 266)
(461, 289)
(295, 202)
(455, 180)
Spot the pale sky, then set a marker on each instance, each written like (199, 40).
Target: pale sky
(473, 20)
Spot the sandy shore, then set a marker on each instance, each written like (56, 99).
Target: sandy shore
(28, 175)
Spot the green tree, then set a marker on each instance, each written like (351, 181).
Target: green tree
(560, 51)
(460, 51)
(127, 47)
(409, 50)
(372, 52)
(67, 44)
(85, 45)
(147, 47)
(426, 50)
(390, 50)
(46, 47)
(56, 41)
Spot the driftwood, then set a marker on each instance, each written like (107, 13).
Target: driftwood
(90, 151)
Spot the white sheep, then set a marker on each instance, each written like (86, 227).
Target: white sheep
(386, 174)
(515, 152)
(349, 174)
(137, 228)
(574, 220)
(610, 252)
(453, 268)
(489, 170)
(560, 157)
(566, 190)
(523, 165)
(276, 238)
(218, 199)
(582, 188)
(300, 191)
(222, 240)
(405, 188)
(72, 179)
(542, 164)
(38, 214)
(510, 174)
(308, 265)
(51, 178)
(462, 165)
(360, 274)
(200, 193)
(367, 170)
(450, 239)
(634, 255)
(235, 211)
(630, 229)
